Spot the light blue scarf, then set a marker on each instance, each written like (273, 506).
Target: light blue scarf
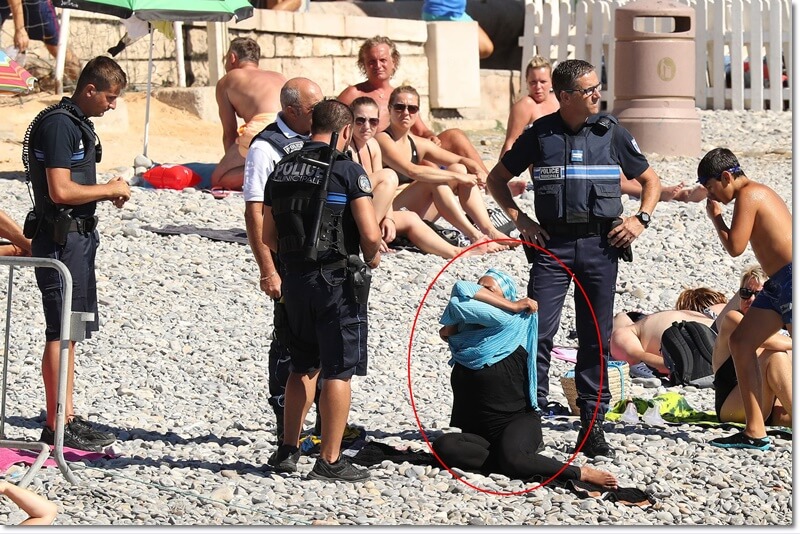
(487, 334)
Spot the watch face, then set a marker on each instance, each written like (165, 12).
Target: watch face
(644, 218)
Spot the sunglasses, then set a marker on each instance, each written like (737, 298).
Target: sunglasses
(746, 293)
(412, 109)
(360, 121)
(705, 179)
(586, 92)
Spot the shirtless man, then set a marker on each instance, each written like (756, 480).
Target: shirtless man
(379, 59)
(247, 92)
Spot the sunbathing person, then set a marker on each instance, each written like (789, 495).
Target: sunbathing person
(367, 152)
(378, 60)
(638, 340)
(774, 362)
(491, 334)
(450, 189)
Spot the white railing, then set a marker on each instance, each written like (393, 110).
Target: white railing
(727, 32)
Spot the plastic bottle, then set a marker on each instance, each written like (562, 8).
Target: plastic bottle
(630, 415)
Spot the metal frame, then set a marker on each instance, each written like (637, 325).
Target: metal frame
(66, 331)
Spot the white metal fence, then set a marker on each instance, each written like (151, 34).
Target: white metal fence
(737, 43)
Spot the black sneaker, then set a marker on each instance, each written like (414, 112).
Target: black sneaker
(554, 409)
(84, 428)
(740, 440)
(284, 460)
(596, 444)
(71, 440)
(340, 470)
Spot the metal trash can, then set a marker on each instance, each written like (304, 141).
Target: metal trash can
(654, 76)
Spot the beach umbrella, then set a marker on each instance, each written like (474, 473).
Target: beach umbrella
(13, 78)
(162, 10)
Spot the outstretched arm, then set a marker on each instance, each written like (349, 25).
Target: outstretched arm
(10, 230)
(499, 301)
(40, 511)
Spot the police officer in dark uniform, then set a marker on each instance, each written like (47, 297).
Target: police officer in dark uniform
(577, 154)
(60, 155)
(327, 314)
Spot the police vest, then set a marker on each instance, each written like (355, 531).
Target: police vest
(576, 178)
(294, 187)
(274, 136)
(82, 171)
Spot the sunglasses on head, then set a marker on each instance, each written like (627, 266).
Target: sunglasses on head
(703, 180)
(360, 121)
(412, 109)
(746, 293)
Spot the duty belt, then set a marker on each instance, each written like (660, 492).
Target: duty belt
(577, 229)
(84, 225)
(304, 266)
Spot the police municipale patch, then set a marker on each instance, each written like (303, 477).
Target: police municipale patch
(635, 145)
(364, 184)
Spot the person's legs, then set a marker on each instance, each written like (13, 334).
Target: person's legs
(300, 391)
(471, 201)
(410, 225)
(756, 326)
(384, 187)
(517, 454)
(335, 407)
(462, 450)
(776, 368)
(457, 142)
(50, 372)
(548, 286)
(229, 172)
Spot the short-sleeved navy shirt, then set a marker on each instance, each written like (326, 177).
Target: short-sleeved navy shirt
(526, 149)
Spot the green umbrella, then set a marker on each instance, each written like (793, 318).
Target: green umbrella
(174, 10)
(170, 10)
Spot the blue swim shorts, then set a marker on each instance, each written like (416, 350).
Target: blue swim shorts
(777, 294)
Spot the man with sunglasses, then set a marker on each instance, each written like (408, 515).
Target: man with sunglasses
(60, 155)
(287, 134)
(577, 154)
(761, 218)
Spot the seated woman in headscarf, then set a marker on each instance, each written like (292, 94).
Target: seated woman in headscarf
(492, 337)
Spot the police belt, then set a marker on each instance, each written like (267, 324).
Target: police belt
(83, 225)
(577, 229)
(300, 267)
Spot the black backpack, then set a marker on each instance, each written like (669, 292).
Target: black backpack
(687, 347)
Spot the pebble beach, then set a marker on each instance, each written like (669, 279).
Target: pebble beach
(179, 371)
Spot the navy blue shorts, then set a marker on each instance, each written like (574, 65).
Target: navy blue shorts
(330, 328)
(777, 294)
(41, 21)
(78, 254)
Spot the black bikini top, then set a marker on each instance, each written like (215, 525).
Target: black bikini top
(402, 178)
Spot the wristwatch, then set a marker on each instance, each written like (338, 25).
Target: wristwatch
(644, 218)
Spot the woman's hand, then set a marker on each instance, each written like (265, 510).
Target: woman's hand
(527, 305)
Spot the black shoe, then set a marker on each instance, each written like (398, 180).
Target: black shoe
(554, 409)
(71, 440)
(596, 444)
(284, 460)
(84, 428)
(340, 470)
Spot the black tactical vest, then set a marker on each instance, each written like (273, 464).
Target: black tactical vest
(274, 136)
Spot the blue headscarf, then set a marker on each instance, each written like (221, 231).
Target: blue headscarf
(487, 334)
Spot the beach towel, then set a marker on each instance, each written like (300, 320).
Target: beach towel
(673, 406)
(567, 354)
(9, 457)
(231, 235)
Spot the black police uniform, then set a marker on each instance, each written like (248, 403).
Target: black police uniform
(278, 356)
(63, 137)
(577, 196)
(328, 327)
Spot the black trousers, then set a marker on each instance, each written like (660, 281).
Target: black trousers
(593, 262)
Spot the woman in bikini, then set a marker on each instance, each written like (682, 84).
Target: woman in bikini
(384, 185)
(774, 362)
(450, 189)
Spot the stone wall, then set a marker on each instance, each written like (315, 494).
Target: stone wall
(321, 46)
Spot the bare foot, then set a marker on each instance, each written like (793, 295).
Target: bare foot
(517, 187)
(694, 194)
(670, 192)
(491, 246)
(510, 243)
(600, 478)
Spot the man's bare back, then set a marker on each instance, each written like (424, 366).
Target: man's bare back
(247, 92)
(650, 328)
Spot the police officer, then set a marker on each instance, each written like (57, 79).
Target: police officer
(287, 134)
(60, 155)
(327, 320)
(577, 154)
